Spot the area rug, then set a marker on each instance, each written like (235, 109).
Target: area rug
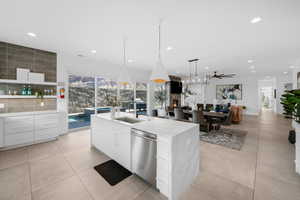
(230, 138)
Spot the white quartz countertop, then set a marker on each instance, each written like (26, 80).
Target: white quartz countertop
(121, 114)
(27, 113)
(164, 127)
(158, 126)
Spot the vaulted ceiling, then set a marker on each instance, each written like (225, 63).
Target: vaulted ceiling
(217, 32)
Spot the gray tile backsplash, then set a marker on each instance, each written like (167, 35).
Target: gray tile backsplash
(15, 56)
(27, 105)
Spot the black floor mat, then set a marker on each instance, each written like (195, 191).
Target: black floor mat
(112, 172)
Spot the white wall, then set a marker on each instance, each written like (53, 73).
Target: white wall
(62, 81)
(294, 78)
(281, 81)
(249, 92)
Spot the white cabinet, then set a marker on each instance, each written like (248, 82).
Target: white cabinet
(46, 134)
(177, 162)
(18, 130)
(20, 138)
(46, 121)
(122, 147)
(28, 128)
(19, 124)
(113, 139)
(163, 166)
(103, 137)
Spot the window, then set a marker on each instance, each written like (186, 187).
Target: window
(81, 93)
(107, 92)
(141, 98)
(127, 98)
(81, 101)
(160, 96)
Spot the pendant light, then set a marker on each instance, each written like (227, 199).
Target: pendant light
(159, 73)
(124, 78)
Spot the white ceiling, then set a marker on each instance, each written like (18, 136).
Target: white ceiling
(217, 32)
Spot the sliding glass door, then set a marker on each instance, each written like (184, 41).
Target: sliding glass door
(83, 102)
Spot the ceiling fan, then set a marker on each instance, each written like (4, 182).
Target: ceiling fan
(220, 76)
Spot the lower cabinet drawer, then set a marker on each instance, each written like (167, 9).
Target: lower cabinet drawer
(15, 125)
(163, 187)
(46, 134)
(46, 125)
(20, 138)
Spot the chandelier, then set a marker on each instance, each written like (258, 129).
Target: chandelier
(194, 77)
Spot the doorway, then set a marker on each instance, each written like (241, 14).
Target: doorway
(266, 98)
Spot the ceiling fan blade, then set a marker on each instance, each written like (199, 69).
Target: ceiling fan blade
(229, 75)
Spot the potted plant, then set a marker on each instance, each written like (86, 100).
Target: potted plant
(291, 106)
(287, 103)
(160, 97)
(295, 101)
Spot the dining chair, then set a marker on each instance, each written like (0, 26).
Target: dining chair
(195, 116)
(204, 125)
(209, 107)
(179, 114)
(200, 106)
(228, 119)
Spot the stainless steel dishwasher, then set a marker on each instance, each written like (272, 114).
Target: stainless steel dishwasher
(143, 155)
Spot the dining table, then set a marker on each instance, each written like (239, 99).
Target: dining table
(208, 113)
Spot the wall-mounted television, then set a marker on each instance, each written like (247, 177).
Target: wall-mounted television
(175, 87)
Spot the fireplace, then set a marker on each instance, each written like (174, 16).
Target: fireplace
(173, 99)
(175, 103)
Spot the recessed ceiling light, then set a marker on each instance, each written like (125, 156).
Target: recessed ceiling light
(93, 51)
(206, 68)
(130, 60)
(292, 67)
(250, 61)
(169, 48)
(252, 67)
(253, 71)
(256, 20)
(285, 72)
(31, 34)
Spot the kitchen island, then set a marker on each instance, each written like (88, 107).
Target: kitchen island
(177, 159)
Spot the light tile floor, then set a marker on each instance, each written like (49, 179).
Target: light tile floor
(63, 169)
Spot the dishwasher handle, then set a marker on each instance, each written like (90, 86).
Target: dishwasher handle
(143, 135)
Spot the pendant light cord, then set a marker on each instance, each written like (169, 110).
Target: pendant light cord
(124, 50)
(159, 41)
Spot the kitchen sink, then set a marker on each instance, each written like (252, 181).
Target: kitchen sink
(128, 120)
